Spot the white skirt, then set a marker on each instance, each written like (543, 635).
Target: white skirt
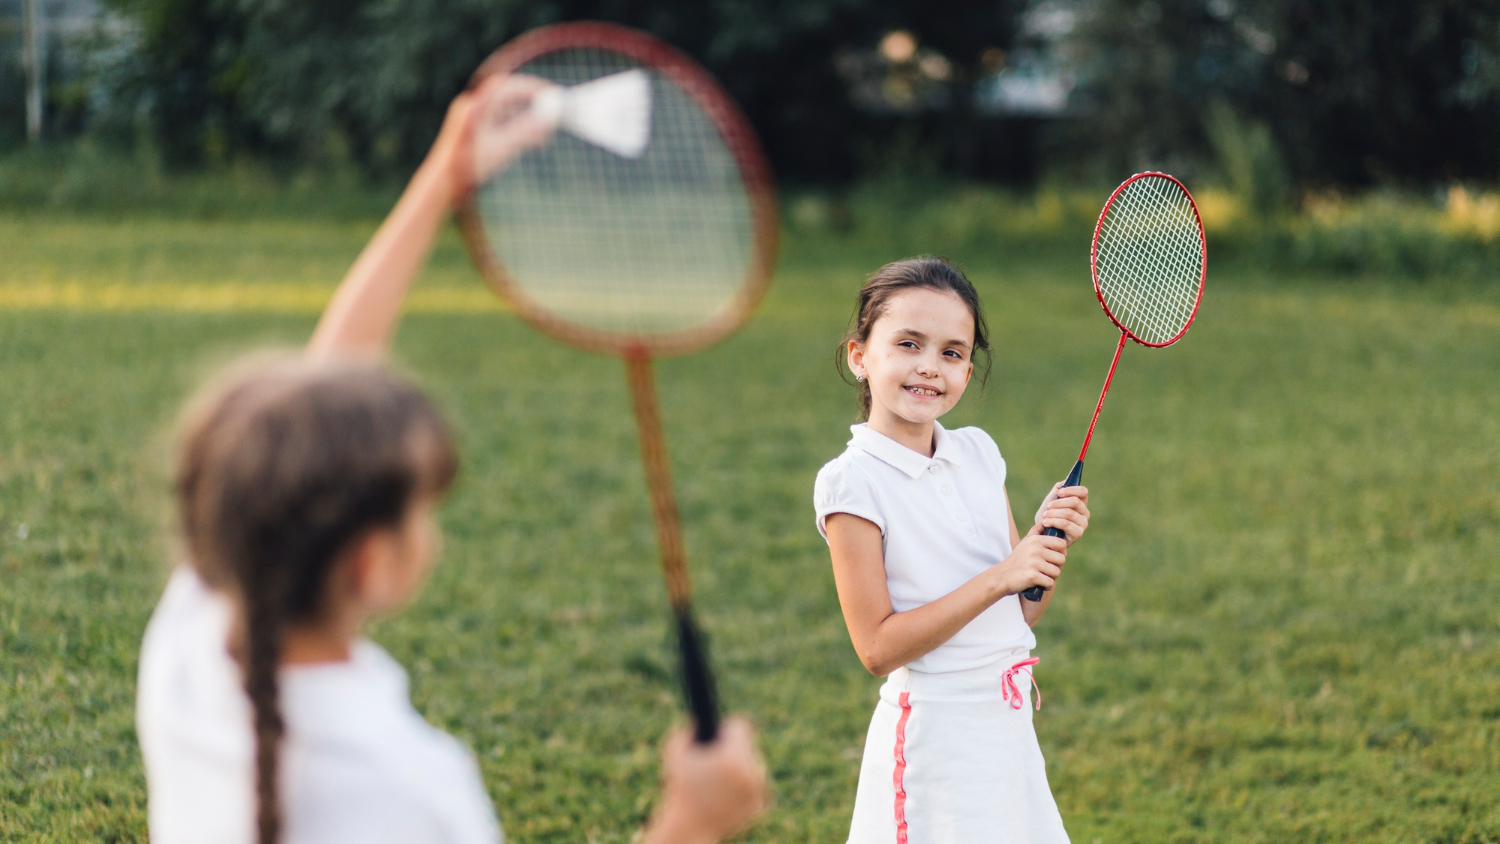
(951, 759)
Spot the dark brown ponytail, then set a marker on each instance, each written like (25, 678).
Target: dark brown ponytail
(280, 467)
(922, 272)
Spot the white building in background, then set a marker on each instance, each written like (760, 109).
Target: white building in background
(1037, 77)
(44, 43)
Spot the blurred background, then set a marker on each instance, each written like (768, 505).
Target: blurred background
(1331, 111)
(1282, 627)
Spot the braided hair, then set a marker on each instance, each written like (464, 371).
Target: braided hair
(925, 272)
(281, 465)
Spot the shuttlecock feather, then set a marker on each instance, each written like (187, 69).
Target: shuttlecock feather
(612, 112)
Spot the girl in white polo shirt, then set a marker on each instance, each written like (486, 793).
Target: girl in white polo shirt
(929, 565)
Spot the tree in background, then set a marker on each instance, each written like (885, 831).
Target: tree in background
(1267, 96)
(1336, 93)
(368, 80)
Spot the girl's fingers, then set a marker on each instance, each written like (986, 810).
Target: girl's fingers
(1069, 516)
(1054, 543)
(1072, 529)
(506, 125)
(498, 96)
(1078, 517)
(1069, 502)
(520, 87)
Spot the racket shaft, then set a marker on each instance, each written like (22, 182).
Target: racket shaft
(1075, 477)
(658, 478)
(697, 679)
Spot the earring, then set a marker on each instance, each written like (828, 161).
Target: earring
(860, 377)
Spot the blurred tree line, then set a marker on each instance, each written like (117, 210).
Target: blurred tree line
(1279, 92)
(368, 81)
(1266, 96)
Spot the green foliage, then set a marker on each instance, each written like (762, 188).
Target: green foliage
(90, 177)
(1281, 627)
(1352, 93)
(1383, 93)
(1386, 234)
(1249, 161)
(369, 81)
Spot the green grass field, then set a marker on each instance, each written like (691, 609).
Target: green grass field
(1283, 625)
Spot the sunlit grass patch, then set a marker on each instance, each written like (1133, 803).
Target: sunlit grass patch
(1282, 626)
(230, 297)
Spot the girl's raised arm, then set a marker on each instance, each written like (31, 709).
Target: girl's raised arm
(485, 129)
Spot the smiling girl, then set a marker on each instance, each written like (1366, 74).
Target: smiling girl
(929, 565)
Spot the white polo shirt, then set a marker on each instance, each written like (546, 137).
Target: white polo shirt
(942, 521)
(358, 764)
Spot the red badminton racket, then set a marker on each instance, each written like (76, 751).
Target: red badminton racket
(646, 227)
(1149, 260)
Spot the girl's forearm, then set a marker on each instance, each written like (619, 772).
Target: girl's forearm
(904, 636)
(364, 309)
(1034, 610)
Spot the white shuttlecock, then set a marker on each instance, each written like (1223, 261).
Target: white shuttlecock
(612, 112)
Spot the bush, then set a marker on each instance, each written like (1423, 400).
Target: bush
(90, 178)
(1454, 235)
(1378, 233)
(1388, 234)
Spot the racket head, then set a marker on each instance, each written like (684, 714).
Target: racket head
(656, 256)
(1150, 259)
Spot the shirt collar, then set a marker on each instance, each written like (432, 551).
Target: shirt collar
(906, 461)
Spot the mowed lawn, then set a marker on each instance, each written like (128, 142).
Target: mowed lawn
(1283, 626)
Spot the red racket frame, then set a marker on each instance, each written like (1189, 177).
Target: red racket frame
(1076, 475)
(639, 349)
(1126, 333)
(739, 138)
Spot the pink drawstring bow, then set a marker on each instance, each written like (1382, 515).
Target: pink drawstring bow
(1008, 689)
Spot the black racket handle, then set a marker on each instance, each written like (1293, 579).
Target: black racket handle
(697, 678)
(1075, 477)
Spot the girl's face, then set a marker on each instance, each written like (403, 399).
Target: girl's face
(918, 357)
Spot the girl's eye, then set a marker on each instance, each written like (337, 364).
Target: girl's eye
(908, 344)
(955, 354)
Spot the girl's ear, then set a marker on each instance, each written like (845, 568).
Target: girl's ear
(370, 570)
(969, 374)
(856, 357)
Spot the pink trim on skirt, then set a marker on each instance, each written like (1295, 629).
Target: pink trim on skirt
(898, 779)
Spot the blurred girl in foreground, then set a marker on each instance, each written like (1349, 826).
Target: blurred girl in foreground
(304, 490)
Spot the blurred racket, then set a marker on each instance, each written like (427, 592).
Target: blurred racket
(647, 227)
(1150, 259)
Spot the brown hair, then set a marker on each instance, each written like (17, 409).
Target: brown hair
(927, 272)
(281, 464)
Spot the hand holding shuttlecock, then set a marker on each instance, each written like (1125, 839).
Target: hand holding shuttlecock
(612, 112)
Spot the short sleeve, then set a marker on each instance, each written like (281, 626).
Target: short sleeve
(843, 488)
(980, 441)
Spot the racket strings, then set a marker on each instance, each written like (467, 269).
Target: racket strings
(1149, 259)
(1149, 267)
(641, 247)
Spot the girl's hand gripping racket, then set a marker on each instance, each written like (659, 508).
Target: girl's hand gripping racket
(1149, 259)
(646, 228)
